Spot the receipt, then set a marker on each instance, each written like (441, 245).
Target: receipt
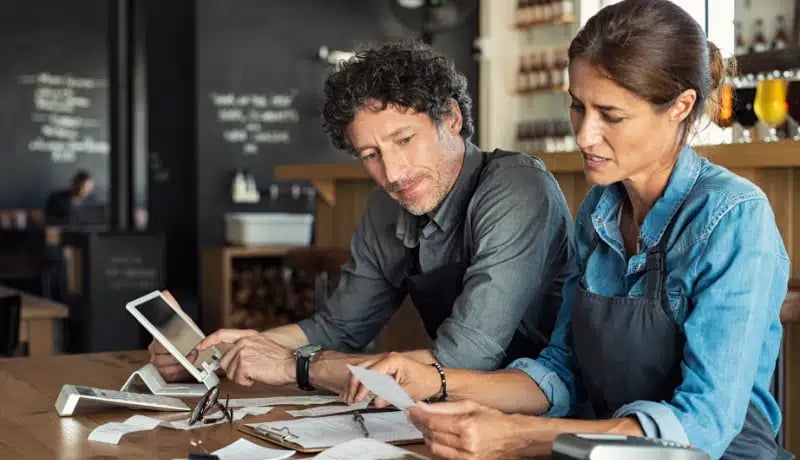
(383, 386)
(283, 401)
(330, 410)
(112, 432)
(238, 414)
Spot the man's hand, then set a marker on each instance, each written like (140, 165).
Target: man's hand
(467, 430)
(167, 365)
(162, 359)
(420, 380)
(252, 358)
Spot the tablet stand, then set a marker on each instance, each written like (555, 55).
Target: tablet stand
(147, 378)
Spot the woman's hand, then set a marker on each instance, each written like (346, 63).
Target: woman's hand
(420, 380)
(467, 430)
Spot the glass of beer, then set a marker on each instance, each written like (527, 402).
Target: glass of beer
(770, 105)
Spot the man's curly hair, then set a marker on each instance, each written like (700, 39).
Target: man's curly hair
(407, 73)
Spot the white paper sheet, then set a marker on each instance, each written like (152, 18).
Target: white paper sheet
(316, 432)
(238, 414)
(143, 421)
(384, 386)
(330, 410)
(367, 449)
(283, 401)
(246, 450)
(112, 432)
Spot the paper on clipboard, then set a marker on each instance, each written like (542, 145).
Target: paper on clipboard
(315, 434)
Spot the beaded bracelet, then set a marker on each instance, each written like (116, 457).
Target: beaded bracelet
(443, 389)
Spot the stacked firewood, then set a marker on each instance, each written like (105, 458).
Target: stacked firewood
(268, 295)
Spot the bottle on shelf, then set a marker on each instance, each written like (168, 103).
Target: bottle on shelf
(239, 187)
(759, 44)
(559, 74)
(781, 38)
(557, 9)
(567, 8)
(740, 46)
(522, 76)
(534, 65)
(537, 15)
(520, 14)
(547, 11)
(544, 72)
(555, 71)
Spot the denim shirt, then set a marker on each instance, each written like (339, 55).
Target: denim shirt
(728, 272)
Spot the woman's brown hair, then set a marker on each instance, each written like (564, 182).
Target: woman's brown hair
(656, 50)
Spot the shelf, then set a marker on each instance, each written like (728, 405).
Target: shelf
(785, 59)
(563, 19)
(784, 154)
(548, 90)
(257, 251)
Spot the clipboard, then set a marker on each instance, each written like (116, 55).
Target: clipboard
(282, 436)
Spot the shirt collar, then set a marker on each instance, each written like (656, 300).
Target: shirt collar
(684, 176)
(453, 207)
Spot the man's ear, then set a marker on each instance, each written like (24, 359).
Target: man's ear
(453, 121)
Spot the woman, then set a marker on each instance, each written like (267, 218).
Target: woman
(670, 328)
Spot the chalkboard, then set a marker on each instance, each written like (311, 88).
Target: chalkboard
(54, 88)
(116, 268)
(260, 86)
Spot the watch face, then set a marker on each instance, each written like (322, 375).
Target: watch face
(308, 350)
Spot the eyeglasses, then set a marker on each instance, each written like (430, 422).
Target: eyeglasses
(210, 401)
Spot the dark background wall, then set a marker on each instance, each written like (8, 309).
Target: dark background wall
(42, 145)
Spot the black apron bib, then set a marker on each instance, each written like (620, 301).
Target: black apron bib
(630, 349)
(435, 292)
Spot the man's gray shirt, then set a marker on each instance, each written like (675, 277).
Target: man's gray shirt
(517, 238)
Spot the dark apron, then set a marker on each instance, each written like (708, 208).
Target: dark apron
(435, 292)
(630, 349)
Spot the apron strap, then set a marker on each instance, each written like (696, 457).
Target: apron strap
(656, 270)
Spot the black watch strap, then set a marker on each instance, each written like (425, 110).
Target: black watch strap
(302, 373)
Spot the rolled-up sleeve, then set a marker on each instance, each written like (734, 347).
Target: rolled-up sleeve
(363, 301)
(521, 230)
(741, 280)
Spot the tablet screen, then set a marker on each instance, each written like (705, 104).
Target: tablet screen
(180, 333)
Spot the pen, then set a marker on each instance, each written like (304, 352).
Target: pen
(358, 418)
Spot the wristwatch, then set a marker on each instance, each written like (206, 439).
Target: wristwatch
(304, 355)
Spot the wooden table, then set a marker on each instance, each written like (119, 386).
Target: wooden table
(30, 427)
(37, 318)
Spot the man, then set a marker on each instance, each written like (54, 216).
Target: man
(62, 206)
(480, 241)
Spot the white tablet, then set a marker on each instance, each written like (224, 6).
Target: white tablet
(176, 331)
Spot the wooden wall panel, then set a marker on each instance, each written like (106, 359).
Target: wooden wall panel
(324, 224)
